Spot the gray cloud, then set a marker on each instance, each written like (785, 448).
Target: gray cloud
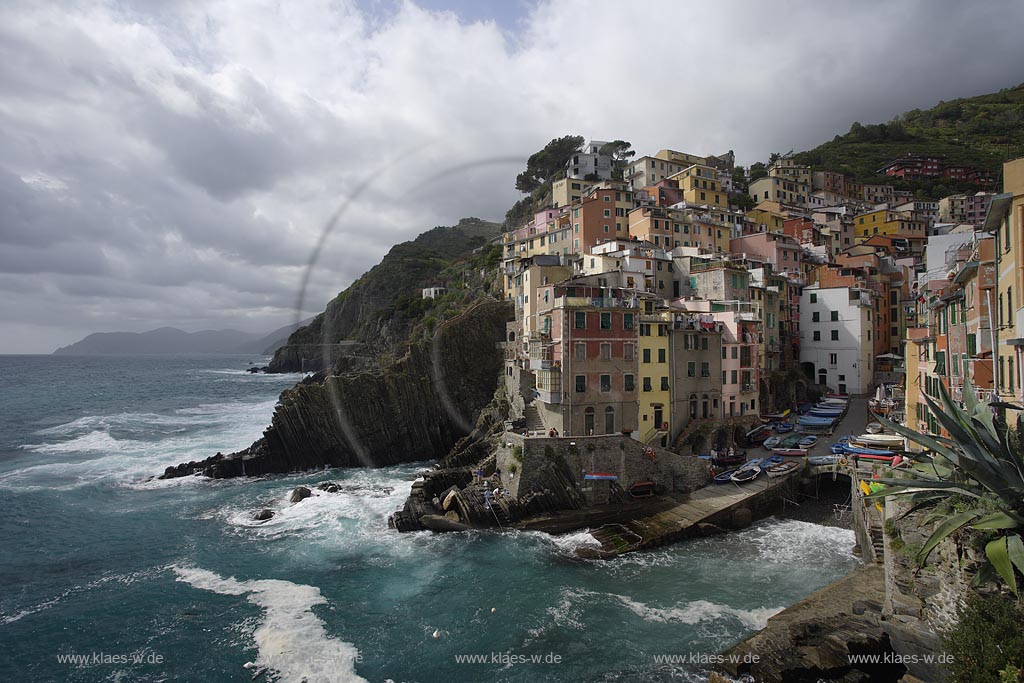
(175, 163)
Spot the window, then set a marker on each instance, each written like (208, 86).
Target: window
(581, 383)
(815, 317)
(580, 320)
(647, 355)
(733, 377)
(704, 344)
(627, 321)
(581, 351)
(835, 335)
(606, 383)
(705, 369)
(691, 369)
(817, 335)
(606, 321)
(661, 355)
(814, 298)
(647, 383)
(835, 316)
(664, 383)
(833, 359)
(735, 352)
(629, 382)
(629, 351)
(606, 351)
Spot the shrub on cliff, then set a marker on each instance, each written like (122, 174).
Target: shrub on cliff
(987, 645)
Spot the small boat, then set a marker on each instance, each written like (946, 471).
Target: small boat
(757, 434)
(814, 421)
(837, 449)
(827, 412)
(724, 477)
(873, 428)
(771, 461)
(750, 464)
(742, 476)
(881, 440)
(772, 442)
(861, 451)
(808, 441)
(845, 397)
(823, 459)
(641, 489)
(782, 468)
(791, 441)
(834, 402)
(783, 427)
(790, 452)
(730, 460)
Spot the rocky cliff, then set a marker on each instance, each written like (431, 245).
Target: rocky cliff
(413, 408)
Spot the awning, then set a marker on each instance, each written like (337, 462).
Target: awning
(600, 476)
(997, 210)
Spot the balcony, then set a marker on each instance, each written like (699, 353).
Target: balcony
(588, 302)
(549, 385)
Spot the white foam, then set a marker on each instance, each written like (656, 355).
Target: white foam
(800, 544)
(86, 450)
(291, 639)
(569, 543)
(697, 611)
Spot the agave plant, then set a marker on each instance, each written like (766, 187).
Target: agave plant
(980, 465)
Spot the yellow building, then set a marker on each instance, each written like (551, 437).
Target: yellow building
(1006, 220)
(700, 186)
(683, 158)
(569, 190)
(790, 170)
(887, 223)
(655, 374)
(763, 216)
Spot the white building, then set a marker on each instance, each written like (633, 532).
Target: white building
(434, 292)
(588, 161)
(835, 337)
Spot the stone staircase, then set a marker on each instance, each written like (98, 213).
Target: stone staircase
(533, 421)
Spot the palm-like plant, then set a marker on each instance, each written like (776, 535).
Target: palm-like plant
(981, 465)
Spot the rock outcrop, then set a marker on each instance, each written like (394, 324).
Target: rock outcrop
(415, 408)
(821, 639)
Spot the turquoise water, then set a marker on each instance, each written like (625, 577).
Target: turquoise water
(109, 577)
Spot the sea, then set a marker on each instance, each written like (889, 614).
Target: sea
(107, 574)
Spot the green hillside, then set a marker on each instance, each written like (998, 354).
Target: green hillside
(982, 131)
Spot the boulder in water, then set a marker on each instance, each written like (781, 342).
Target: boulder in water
(263, 515)
(299, 494)
(329, 487)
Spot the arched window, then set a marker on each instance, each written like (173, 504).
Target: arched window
(588, 422)
(693, 406)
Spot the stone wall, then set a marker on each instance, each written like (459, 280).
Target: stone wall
(922, 603)
(527, 457)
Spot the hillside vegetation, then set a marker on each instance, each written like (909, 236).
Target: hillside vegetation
(982, 131)
(385, 304)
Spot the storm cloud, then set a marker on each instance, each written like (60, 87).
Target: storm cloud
(175, 163)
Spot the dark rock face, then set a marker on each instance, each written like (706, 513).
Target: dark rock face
(263, 515)
(414, 409)
(299, 494)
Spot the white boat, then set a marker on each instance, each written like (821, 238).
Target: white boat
(874, 428)
(782, 469)
(888, 440)
(771, 442)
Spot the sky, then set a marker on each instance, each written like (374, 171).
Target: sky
(176, 162)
